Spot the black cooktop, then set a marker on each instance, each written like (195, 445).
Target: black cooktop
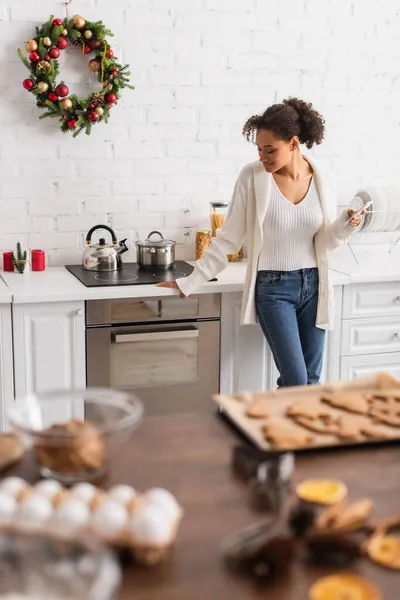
(130, 274)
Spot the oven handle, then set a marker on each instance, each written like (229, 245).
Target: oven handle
(152, 336)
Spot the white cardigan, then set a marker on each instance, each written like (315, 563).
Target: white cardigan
(245, 221)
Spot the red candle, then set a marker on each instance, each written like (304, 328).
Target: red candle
(38, 260)
(7, 261)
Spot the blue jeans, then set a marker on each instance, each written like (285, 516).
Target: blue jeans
(286, 303)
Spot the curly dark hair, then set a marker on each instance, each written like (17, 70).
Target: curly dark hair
(287, 119)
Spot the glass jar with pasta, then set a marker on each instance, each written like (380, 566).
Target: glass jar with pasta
(203, 241)
(219, 212)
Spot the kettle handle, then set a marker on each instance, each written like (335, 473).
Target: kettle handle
(90, 232)
(153, 232)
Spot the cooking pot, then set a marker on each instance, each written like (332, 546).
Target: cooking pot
(156, 254)
(102, 256)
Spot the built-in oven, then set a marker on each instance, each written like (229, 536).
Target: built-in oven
(164, 349)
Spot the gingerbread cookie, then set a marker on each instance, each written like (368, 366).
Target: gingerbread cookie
(285, 435)
(387, 412)
(318, 425)
(342, 517)
(258, 409)
(311, 408)
(353, 427)
(387, 381)
(354, 402)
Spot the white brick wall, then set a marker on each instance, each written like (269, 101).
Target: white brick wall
(201, 67)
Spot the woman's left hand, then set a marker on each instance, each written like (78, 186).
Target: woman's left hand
(355, 222)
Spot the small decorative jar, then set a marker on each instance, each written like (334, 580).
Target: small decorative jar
(203, 241)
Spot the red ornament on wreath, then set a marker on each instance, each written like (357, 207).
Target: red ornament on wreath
(28, 84)
(51, 97)
(54, 53)
(62, 90)
(93, 116)
(62, 43)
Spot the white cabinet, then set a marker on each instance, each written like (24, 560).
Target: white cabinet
(49, 347)
(6, 364)
(246, 360)
(370, 333)
(352, 367)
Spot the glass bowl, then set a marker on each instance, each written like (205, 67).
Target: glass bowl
(73, 434)
(38, 566)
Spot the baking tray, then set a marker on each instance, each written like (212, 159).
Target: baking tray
(233, 409)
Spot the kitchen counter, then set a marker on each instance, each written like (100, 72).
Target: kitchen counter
(193, 462)
(373, 264)
(56, 284)
(5, 293)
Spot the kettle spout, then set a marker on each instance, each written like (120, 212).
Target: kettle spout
(122, 247)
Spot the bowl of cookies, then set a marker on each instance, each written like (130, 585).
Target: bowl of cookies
(73, 434)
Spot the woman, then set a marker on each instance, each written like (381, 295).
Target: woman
(284, 205)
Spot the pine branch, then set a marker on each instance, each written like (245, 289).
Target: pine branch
(53, 106)
(24, 59)
(51, 115)
(56, 33)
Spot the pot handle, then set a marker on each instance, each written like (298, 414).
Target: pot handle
(90, 232)
(152, 233)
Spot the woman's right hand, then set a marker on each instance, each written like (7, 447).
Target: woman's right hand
(171, 285)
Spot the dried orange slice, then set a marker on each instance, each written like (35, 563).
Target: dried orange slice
(322, 491)
(385, 550)
(344, 587)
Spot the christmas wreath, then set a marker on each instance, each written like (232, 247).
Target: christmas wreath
(75, 114)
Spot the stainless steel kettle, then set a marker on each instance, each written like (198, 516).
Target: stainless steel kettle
(102, 256)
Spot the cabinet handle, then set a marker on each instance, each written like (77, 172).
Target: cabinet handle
(397, 299)
(79, 312)
(156, 336)
(397, 335)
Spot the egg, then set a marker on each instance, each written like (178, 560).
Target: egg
(122, 493)
(34, 511)
(8, 506)
(150, 525)
(84, 491)
(109, 519)
(13, 485)
(48, 488)
(71, 516)
(164, 500)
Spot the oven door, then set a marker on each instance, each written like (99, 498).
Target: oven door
(171, 367)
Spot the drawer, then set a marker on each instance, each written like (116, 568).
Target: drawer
(370, 336)
(371, 300)
(352, 367)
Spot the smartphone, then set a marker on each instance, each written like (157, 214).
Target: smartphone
(358, 213)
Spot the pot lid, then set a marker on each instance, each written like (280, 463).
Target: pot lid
(150, 242)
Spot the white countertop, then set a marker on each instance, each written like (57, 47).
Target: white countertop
(5, 293)
(56, 284)
(370, 264)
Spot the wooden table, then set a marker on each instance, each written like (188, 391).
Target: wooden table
(190, 455)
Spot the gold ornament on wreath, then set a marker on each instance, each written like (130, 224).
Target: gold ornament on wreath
(44, 49)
